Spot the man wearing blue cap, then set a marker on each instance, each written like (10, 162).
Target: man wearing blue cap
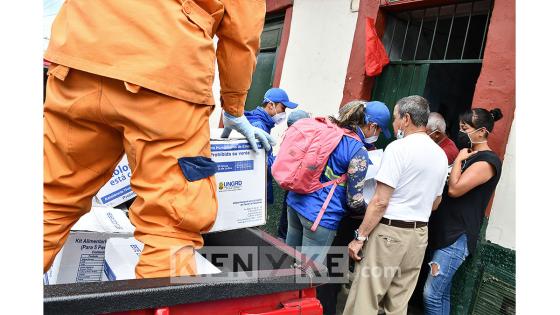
(271, 113)
(272, 110)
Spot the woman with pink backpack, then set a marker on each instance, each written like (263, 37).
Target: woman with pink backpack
(323, 163)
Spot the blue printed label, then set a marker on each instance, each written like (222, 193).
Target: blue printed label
(217, 147)
(235, 166)
(116, 194)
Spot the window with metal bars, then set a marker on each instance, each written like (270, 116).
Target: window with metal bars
(450, 33)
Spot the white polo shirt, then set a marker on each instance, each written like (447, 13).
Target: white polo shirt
(417, 168)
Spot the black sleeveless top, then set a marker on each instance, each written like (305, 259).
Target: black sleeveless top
(464, 214)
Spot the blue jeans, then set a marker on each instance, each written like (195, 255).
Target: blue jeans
(437, 290)
(314, 245)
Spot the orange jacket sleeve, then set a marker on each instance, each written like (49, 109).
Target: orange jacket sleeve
(238, 45)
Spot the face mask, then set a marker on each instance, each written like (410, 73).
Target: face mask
(400, 133)
(431, 133)
(464, 139)
(371, 139)
(368, 140)
(278, 118)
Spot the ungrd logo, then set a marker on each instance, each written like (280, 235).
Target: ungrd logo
(231, 185)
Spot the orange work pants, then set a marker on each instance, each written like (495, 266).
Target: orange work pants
(89, 122)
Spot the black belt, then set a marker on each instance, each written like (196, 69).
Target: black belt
(403, 224)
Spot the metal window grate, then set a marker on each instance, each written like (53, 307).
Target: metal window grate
(450, 33)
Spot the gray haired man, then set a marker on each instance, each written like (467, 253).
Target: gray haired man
(436, 130)
(390, 243)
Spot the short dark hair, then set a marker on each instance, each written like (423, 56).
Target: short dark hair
(417, 107)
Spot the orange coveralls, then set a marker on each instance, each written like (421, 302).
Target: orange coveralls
(136, 76)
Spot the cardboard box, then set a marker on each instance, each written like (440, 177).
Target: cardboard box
(122, 254)
(81, 258)
(117, 190)
(241, 183)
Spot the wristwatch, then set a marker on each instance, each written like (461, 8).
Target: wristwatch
(358, 237)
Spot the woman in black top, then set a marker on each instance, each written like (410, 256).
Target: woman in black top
(454, 227)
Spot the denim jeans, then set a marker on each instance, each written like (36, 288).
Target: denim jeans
(314, 245)
(437, 290)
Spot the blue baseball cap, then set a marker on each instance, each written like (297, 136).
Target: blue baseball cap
(277, 95)
(378, 113)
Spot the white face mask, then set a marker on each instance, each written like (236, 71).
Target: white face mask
(278, 118)
(368, 140)
(371, 139)
(400, 133)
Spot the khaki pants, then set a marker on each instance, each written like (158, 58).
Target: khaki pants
(388, 272)
(89, 122)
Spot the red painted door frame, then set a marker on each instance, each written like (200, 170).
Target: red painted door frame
(357, 85)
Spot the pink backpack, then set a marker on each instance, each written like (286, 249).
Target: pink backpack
(303, 154)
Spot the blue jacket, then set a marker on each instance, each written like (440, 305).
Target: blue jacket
(262, 120)
(309, 205)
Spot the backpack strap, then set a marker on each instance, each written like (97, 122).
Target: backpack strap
(334, 183)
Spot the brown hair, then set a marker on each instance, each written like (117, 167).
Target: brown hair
(351, 115)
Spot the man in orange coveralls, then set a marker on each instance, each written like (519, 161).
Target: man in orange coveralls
(136, 77)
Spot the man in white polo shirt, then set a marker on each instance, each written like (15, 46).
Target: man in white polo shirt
(394, 231)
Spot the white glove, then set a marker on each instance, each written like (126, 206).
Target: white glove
(244, 127)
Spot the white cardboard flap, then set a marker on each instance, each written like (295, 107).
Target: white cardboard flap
(104, 220)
